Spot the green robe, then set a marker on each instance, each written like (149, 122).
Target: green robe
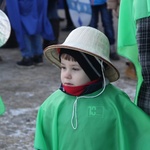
(130, 12)
(109, 121)
(141, 8)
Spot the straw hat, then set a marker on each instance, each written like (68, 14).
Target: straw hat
(5, 28)
(90, 41)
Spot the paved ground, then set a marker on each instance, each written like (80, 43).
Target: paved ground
(23, 91)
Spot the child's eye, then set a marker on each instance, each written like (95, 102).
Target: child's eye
(76, 69)
(63, 67)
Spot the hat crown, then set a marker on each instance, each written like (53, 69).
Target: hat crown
(89, 39)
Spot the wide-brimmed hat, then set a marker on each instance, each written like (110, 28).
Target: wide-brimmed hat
(87, 40)
(5, 28)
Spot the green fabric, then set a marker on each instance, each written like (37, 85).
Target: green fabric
(2, 106)
(141, 8)
(127, 44)
(106, 122)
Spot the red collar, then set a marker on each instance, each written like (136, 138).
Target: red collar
(77, 90)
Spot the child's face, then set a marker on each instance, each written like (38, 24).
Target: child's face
(72, 74)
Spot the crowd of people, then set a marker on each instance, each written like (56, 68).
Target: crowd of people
(31, 24)
(86, 101)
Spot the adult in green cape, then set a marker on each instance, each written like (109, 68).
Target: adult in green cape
(4, 35)
(127, 44)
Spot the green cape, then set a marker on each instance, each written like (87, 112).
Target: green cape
(127, 44)
(107, 122)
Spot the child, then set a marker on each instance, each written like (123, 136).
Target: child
(87, 112)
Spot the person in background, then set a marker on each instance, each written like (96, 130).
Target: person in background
(130, 71)
(100, 6)
(30, 23)
(114, 5)
(142, 19)
(137, 23)
(52, 12)
(87, 108)
(69, 24)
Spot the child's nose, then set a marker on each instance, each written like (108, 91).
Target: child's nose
(67, 74)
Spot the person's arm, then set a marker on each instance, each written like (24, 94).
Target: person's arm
(114, 5)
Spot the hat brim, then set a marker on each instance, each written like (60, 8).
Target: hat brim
(52, 54)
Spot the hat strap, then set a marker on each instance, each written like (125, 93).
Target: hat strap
(74, 118)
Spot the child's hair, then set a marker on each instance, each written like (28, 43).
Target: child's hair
(67, 57)
(88, 63)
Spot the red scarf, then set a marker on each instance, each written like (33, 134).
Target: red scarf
(77, 90)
